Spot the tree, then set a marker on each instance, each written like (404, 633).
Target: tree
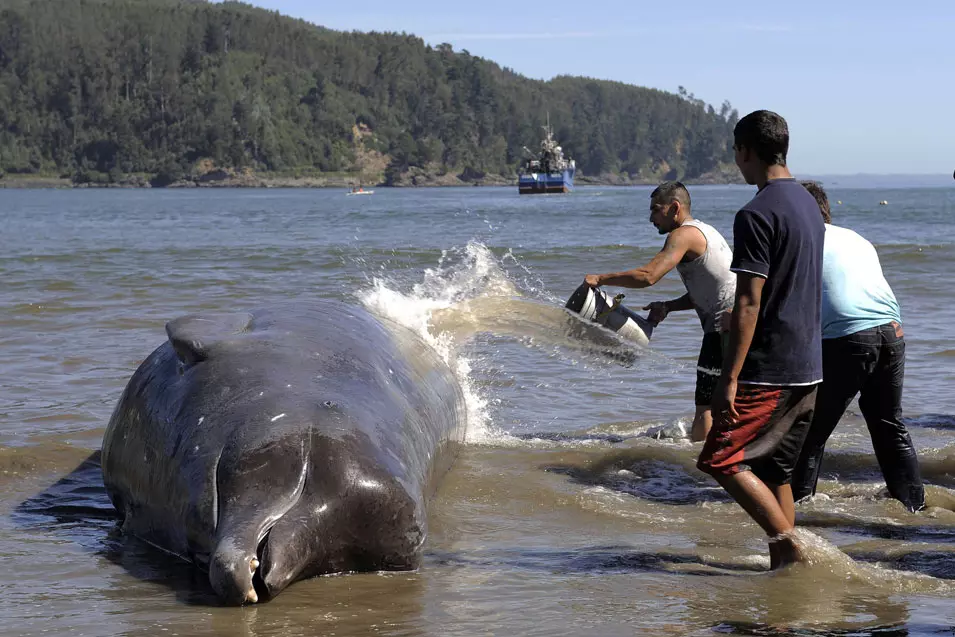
(153, 86)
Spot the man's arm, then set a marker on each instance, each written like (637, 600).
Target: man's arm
(680, 304)
(666, 259)
(749, 292)
(660, 309)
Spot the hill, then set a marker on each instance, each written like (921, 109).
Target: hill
(159, 90)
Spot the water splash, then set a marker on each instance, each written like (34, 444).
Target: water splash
(474, 274)
(824, 559)
(470, 291)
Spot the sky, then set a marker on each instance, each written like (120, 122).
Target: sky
(866, 87)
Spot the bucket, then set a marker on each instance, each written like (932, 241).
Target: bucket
(596, 305)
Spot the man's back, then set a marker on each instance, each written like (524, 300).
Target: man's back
(708, 280)
(855, 294)
(779, 235)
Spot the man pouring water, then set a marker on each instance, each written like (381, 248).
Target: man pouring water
(702, 257)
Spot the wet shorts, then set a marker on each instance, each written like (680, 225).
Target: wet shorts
(773, 423)
(708, 368)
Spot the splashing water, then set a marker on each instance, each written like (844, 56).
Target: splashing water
(452, 282)
(469, 292)
(823, 557)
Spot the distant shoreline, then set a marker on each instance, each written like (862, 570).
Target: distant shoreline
(335, 182)
(38, 182)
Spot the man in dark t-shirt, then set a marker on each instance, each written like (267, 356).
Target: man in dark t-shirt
(767, 391)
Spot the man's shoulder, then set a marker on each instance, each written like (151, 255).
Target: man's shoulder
(752, 216)
(839, 236)
(837, 231)
(778, 195)
(689, 233)
(700, 225)
(788, 205)
(762, 205)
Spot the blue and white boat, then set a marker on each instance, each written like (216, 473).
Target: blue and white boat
(547, 172)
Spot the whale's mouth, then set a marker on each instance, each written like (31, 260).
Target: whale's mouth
(242, 563)
(257, 566)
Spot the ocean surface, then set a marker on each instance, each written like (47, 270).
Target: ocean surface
(572, 510)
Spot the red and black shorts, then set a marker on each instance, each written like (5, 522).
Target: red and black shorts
(767, 438)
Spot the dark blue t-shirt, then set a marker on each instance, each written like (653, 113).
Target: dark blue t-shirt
(779, 235)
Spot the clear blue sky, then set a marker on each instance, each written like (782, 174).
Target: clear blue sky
(864, 89)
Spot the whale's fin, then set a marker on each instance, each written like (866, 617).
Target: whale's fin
(192, 335)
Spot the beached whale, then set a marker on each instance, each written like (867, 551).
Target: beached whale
(283, 443)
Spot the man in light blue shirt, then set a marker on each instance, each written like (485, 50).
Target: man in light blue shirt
(855, 294)
(863, 352)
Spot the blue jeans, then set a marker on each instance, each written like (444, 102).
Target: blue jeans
(870, 363)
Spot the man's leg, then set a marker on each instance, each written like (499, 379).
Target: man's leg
(753, 456)
(843, 371)
(708, 367)
(758, 500)
(702, 423)
(770, 507)
(784, 496)
(881, 405)
(781, 552)
(780, 470)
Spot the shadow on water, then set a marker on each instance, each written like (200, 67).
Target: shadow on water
(873, 527)
(557, 436)
(671, 431)
(765, 630)
(936, 466)
(934, 421)
(938, 564)
(654, 474)
(596, 560)
(77, 508)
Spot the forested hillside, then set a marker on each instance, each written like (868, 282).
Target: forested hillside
(98, 89)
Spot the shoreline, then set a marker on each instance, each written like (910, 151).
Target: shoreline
(31, 182)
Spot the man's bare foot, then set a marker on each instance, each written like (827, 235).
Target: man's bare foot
(783, 551)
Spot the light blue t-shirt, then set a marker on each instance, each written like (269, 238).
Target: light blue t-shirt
(855, 294)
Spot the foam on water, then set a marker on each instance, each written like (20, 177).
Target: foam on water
(470, 291)
(823, 557)
(477, 274)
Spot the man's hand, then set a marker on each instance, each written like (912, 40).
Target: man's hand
(658, 311)
(726, 321)
(593, 280)
(724, 401)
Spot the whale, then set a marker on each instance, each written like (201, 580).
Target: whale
(284, 442)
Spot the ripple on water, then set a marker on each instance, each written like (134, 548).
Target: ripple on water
(576, 521)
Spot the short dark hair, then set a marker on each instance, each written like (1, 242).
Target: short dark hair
(767, 134)
(818, 192)
(671, 191)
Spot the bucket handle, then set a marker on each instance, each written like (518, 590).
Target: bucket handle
(613, 306)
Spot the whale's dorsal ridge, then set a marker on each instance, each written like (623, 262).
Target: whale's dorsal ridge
(192, 336)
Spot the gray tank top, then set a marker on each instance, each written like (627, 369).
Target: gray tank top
(708, 280)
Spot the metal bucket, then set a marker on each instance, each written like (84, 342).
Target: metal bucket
(596, 305)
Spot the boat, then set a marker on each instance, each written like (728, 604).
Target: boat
(548, 171)
(359, 191)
